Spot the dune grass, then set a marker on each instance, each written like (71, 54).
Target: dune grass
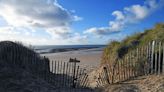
(117, 50)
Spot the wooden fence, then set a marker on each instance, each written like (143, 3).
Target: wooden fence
(58, 73)
(145, 60)
(68, 74)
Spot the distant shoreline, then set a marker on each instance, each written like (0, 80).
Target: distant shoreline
(57, 50)
(64, 50)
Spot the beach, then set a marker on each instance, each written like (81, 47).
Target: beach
(89, 58)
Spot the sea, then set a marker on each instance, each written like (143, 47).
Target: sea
(49, 48)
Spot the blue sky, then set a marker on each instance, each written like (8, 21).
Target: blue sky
(67, 22)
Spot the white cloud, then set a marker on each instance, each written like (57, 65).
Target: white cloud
(136, 13)
(27, 36)
(59, 32)
(24, 16)
(34, 13)
(102, 30)
(129, 15)
(118, 14)
(77, 38)
(77, 18)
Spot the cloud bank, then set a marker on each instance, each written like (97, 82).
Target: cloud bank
(47, 15)
(129, 15)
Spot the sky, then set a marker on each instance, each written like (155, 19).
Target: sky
(76, 22)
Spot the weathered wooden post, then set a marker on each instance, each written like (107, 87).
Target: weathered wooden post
(106, 75)
(163, 60)
(77, 73)
(99, 81)
(61, 67)
(133, 63)
(147, 60)
(52, 66)
(124, 65)
(85, 81)
(98, 85)
(118, 71)
(128, 66)
(66, 73)
(109, 73)
(74, 70)
(82, 79)
(152, 57)
(159, 58)
(156, 58)
(102, 77)
(58, 67)
(63, 74)
(69, 74)
(55, 68)
(122, 71)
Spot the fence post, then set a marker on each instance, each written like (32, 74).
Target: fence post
(124, 69)
(52, 67)
(137, 60)
(58, 67)
(100, 82)
(61, 67)
(163, 60)
(140, 70)
(103, 77)
(156, 57)
(69, 73)
(85, 81)
(144, 51)
(82, 79)
(133, 63)
(148, 59)
(74, 70)
(119, 71)
(152, 56)
(128, 65)
(159, 59)
(77, 74)
(106, 75)
(109, 73)
(64, 74)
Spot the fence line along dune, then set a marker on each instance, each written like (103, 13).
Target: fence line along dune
(22, 70)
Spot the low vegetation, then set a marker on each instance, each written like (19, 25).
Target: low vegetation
(117, 50)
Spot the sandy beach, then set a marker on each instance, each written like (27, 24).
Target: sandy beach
(89, 58)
